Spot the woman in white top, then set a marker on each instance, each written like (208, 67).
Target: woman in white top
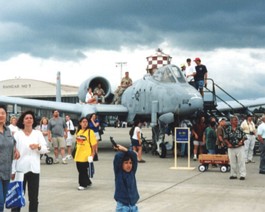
(13, 125)
(31, 144)
(137, 141)
(90, 99)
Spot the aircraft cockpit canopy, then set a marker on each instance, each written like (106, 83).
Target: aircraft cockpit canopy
(169, 74)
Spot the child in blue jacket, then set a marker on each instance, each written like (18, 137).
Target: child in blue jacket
(125, 166)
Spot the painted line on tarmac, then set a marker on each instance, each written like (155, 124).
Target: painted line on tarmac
(170, 187)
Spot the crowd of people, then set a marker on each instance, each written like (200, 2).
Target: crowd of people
(235, 138)
(24, 141)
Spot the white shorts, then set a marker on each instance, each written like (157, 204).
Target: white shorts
(198, 143)
(69, 142)
(97, 135)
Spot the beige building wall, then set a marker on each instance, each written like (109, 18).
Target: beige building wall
(30, 88)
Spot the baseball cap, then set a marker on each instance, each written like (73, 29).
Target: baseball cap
(197, 59)
(182, 65)
(221, 119)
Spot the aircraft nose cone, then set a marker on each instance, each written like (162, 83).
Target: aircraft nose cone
(196, 103)
(189, 106)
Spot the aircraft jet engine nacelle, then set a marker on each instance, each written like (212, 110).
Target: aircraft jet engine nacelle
(93, 83)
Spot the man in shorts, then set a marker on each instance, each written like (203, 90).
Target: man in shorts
(57, 133)
(200, 76)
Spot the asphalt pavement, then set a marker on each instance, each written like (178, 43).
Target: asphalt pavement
(160, 187)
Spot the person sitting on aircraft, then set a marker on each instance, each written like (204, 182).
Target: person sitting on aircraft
(100, 93)
(90, 99)
(125, 83)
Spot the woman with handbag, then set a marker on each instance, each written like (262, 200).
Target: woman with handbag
(85, 147)
(7, 151)
(30, 144)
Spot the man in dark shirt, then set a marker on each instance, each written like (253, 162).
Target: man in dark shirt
(200, 76)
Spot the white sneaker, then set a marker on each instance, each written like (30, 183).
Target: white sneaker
(81, 188)
(64, 161)
(195, 157)
(69, 157)
(56, 161)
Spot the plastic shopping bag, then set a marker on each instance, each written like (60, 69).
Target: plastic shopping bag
(15, 194)
(91, 168)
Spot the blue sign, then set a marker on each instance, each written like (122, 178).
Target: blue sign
(182, 135)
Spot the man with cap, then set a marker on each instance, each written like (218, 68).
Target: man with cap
(261, 138)
(249, 129)
(200, 76)
(221, 147)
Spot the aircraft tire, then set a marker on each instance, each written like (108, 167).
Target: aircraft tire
(163, 150)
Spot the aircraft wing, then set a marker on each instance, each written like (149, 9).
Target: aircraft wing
(248, 103)
(82, 109)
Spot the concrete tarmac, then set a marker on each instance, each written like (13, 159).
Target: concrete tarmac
(160, 188)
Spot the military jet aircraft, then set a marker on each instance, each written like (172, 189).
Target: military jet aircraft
(159, 99)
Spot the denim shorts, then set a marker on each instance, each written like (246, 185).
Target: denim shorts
(199, 84)
(135, 142)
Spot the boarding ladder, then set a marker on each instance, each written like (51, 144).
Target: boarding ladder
(210, 99)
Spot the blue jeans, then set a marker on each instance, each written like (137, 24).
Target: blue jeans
(126, 208)
(183, 149)
(211, 151)
(262, 157)
(3, 190)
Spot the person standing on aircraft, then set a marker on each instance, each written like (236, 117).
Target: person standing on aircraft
(190, 73)
(137, 141)
(125, 167)
(125, 83)
(93, 124)
(30, 144)
(234, 138)
(221, 146)
(200, 76)
(13, 125)
(85, 147)
(261, 138)
(198, 131)
(8, 152)
(57, 133)
(69, 139)
(249, 129)
(100, 93)
(90, 99)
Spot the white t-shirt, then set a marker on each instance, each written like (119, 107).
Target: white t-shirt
(13, 128)
(190, 70)
(29, 160)
(136, 130)
(88, 96)
(70, 126)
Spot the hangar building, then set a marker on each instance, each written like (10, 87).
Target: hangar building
(36, 89)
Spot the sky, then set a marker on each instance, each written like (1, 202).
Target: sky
(84, 38)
